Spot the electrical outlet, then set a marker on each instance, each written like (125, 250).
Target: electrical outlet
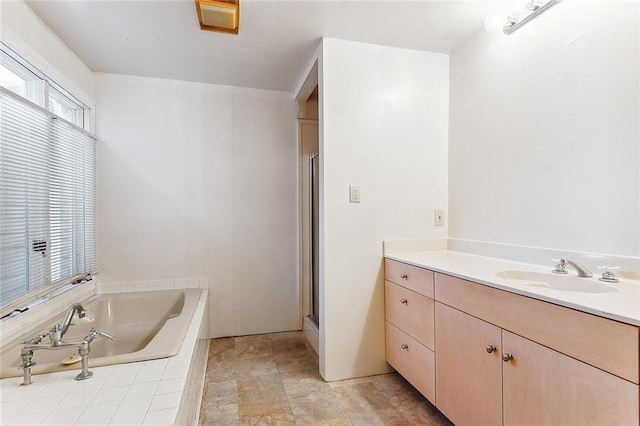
(438, 217)
(354, 194)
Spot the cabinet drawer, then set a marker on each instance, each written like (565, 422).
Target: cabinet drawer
(609, 345)
(414, 278)
(409, 311)
(414, 361)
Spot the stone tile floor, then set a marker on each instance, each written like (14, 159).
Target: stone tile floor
(274, 379)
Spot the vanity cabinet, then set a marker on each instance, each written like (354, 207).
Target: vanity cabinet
(468, 368)
(504, 358)
(542, 386)
(409, 328)
(538, 385)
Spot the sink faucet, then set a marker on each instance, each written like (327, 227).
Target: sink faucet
(562, 264)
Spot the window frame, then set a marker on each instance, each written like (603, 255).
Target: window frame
(42, 88)
(39, 88)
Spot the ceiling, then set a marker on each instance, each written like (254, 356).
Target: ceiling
(276, 40)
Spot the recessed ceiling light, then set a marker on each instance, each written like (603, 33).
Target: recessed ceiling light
(221, 16)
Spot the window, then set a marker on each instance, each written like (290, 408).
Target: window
(47, 187)
(64, 107)
(20, 79)
(25, 80)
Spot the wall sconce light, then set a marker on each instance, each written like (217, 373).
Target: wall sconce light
(495, 23)
(219, 15)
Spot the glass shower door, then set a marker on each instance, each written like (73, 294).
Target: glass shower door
(315, 238)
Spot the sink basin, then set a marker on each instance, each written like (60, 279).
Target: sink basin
(555, 282)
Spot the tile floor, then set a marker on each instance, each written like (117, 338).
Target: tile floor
(274, 379)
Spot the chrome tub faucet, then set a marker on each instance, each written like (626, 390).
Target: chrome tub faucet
(66, 322)
(55, 337)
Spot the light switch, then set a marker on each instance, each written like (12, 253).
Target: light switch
(354, 194)
(438, 217)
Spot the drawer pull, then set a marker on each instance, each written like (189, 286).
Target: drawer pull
(404, 301)
(506, 357)
(490, 348)
(405, 276)
(404, 346)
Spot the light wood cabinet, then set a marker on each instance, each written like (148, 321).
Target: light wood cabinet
(409, 276)
(409, 329)
(577, 334)
(542, 387)
(468, 377)
(567, 367)
(413, 360)
(410, 312)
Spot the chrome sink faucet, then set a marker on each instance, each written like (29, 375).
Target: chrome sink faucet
(562, 264)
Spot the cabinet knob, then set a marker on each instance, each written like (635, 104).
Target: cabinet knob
(506, 357)
(490, 348)
(405, 276)
(405, 301)
(404, 346)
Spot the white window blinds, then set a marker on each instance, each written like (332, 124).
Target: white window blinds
(47, 199)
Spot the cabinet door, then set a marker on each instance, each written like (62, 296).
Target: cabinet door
(468, 377)
(542, 386)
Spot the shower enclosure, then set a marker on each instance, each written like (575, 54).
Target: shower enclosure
(314, 237)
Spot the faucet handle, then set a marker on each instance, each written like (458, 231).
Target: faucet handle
(607, 273)
(103, 334)
(560, 267)
(609, 268)
(93, 333)
(35, 339)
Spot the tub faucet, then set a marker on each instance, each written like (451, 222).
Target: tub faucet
(66, 322)
(55, 336)
(562, 264)
(28, 346)
(58, 330)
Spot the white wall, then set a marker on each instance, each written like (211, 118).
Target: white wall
(544, 139)
(25, 33)
(200, 180)
(384, 121)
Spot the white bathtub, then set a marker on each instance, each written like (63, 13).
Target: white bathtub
(148, 325)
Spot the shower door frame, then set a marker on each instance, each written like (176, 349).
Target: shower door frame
(314, 238)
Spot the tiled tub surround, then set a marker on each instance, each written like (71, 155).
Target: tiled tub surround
(146, 392)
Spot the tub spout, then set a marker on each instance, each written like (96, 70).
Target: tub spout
(59, 330)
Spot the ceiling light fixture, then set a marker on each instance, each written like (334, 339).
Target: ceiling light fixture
(534, 8)
(219, 15)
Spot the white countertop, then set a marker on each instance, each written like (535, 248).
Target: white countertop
(621, 305)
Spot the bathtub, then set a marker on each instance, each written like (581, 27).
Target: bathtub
(148, 325)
